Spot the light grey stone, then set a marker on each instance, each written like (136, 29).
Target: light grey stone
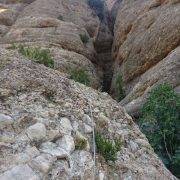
(66, 143)
(87, 129)
(5, 120)
(54, 150)
(65, 126)
(43, 163)
(21, 172)
(133, 146)
(37, 132)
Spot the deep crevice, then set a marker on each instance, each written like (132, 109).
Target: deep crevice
(103, 47)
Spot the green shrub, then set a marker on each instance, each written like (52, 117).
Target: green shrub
(60, 17)
(80, 144)
(176, 162)
(119, 87)
(13, 46)
(160, 121)
(80, 76)
(84, 38)
(41, 56)
(108, 149)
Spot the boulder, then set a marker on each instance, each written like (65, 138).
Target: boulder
(20, 172)
(145, 48)
(70, 104)
(5, 120)
(67, 143)
(166, 71)
(36, 132)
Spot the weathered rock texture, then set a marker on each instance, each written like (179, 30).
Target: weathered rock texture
(146, 38)
(44, 115)
(58, 25)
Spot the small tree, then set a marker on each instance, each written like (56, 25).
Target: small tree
(160, 121)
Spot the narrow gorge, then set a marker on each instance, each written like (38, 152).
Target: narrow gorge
(76, 79)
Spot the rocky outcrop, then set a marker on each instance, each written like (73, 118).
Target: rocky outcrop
(43, 117)
(146, 36)
(47, 121)
(56, 25)
(8, 15)
(166, 70)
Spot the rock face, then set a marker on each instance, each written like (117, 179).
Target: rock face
(59, 26)
(47, 121)
(146, 39)
(43, 145)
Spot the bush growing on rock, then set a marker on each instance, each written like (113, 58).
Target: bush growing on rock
(160, 122)
(60, 17)
(80, 76)
(41, 56)
(84, 38)
(108, 149)
(80, 144)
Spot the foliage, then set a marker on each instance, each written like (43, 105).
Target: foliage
(98, 6)
(160, 121)
(41, 56)
(60, 17)
(13, 46)
(84, 38)
(176, 162)
(119, 87)
(80, 144)
(80, 76)
(108, 149)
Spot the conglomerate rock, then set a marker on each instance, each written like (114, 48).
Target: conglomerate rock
(45, 112)
(46, 120)
(67, 29)
(146, 32)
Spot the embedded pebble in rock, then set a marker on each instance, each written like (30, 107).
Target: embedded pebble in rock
(43, 162)
(75, 126)
(21, 172)
(53, 134)
(37, 132)
(66, 143)
(32, 151)
(5, 121)
(54, 150)
(88, 120)
(133, 146)
(87, 129)
(65, 126)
